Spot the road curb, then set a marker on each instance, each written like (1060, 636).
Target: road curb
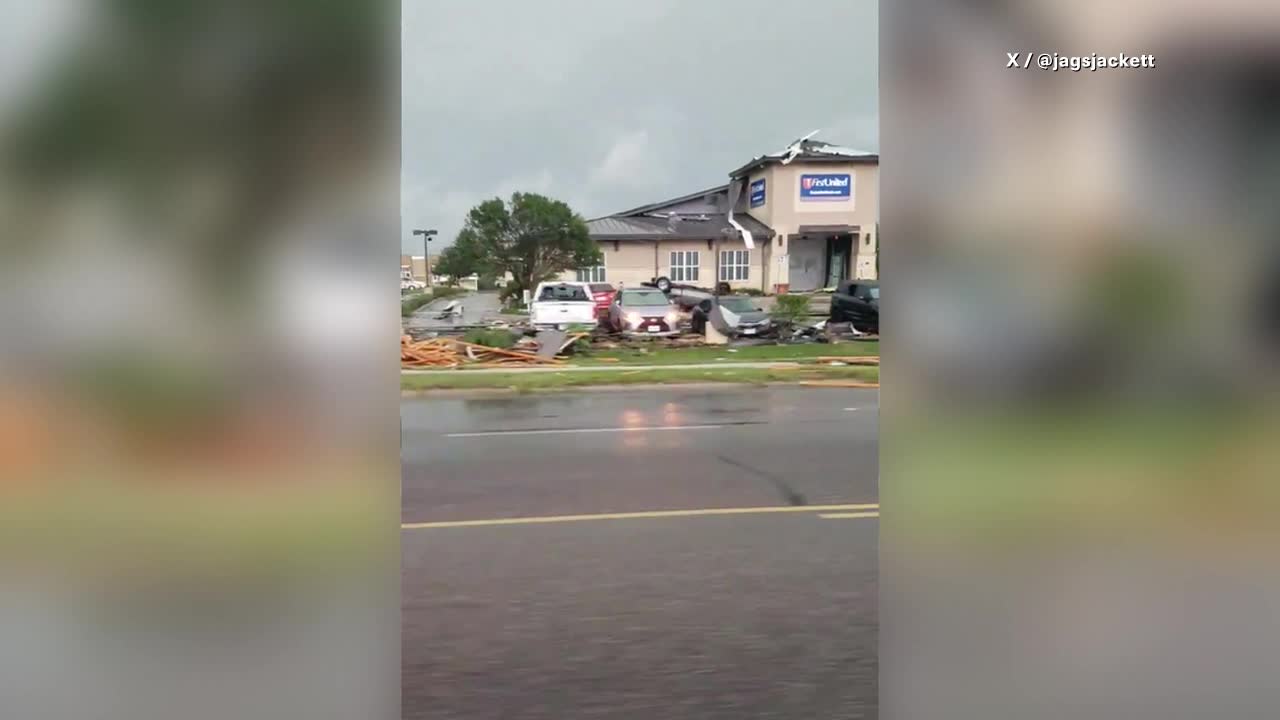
(505, 391)
(700, 386)
(840, 384)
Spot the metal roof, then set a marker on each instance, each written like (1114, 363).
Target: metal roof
(680, 218)
(617, 227)
(810, 150)
(651, 207)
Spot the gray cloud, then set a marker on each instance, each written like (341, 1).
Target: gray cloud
(608, 105)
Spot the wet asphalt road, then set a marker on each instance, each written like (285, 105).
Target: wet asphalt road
(743, 616)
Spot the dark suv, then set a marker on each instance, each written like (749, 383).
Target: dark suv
(857, 303)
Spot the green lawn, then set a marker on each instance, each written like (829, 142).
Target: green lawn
(554, 380)
(711, 353)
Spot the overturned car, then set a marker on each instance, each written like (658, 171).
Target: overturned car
(736, 316)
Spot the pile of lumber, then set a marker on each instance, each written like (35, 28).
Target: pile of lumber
(450, 352)
(437, 352)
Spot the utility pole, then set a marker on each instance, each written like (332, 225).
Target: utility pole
(426, 253)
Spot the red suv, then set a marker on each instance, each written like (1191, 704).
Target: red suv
(602, 294)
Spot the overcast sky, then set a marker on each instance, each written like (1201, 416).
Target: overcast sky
(609, 104)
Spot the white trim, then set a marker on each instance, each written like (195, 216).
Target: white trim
(735, 265)
(687, 269)
(594, 274)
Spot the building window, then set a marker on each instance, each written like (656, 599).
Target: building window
(684, 266)
(592, 274)
(735, 265)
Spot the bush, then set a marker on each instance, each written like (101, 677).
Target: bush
(752, 292)
(497, 338)
(790, 309)
(487, 282)
(512, 294)
(445, 292)
(412, 302)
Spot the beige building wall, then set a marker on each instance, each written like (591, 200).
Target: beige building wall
(630, 264)
(419, 267)
(634, 262)
(785, 212)
(755, 271)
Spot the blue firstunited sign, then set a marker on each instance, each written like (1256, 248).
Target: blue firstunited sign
(830, 187)
(757, 193)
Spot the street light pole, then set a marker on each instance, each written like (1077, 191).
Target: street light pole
(426, 253)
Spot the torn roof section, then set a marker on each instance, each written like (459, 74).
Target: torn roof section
(696, 216)
(704, 214)
(808, 149)
(704, 201)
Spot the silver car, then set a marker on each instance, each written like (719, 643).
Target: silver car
(643, 311)
(739, 314)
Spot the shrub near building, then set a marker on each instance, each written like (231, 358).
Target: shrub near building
(790, 310)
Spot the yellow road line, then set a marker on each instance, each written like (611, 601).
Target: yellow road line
(637, 515)
(848, 516)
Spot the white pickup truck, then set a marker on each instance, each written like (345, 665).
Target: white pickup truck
(561, 304)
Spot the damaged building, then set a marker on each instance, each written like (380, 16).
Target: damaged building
(810, 212)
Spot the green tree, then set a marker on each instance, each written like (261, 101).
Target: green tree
(533, 237)
(455, 264)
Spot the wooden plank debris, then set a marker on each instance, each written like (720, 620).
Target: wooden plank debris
(451, 353)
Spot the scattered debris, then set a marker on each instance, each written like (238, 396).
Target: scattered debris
(428, 353)
(452, 353)
(550, 343)
(603, 339)
(450, 311)
(851, 360)
(572, 340)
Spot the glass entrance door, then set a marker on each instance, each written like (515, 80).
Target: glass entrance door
(839, 249)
